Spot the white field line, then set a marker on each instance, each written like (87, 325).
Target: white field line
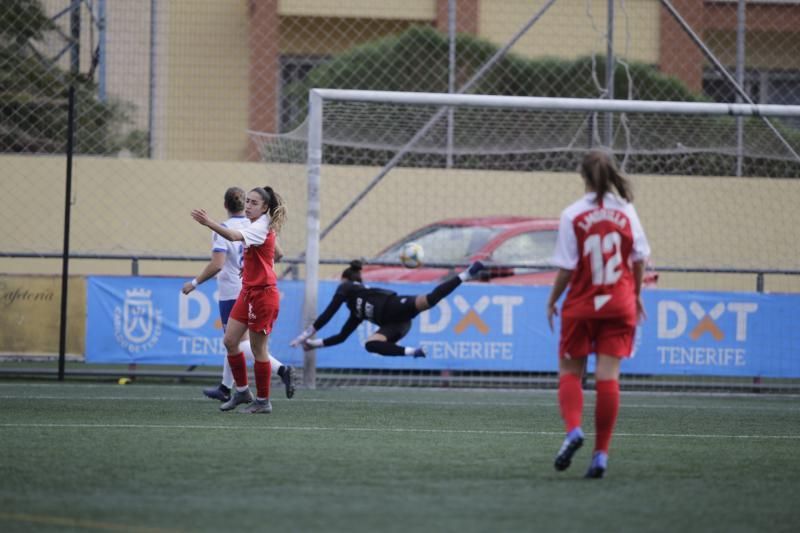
(388, 430)
(367, 389)
(433, 403)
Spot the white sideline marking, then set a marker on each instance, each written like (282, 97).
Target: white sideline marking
(537, 403)
(395, 430)
(374, 389)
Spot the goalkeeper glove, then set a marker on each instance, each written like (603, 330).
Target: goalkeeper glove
(309, 331)
(310, 344)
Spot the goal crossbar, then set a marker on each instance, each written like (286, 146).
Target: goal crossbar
(556, 104)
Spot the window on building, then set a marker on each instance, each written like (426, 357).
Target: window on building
(293, 69)
(780, 87)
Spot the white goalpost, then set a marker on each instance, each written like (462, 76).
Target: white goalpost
(517, 155)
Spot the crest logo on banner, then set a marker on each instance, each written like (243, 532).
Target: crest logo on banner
(137, 325)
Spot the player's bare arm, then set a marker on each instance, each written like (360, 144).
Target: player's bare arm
(211, 269)
(202, 217)
(560, 284)
(638, 277)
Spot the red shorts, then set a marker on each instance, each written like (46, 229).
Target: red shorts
(609, 336)
(258, 308)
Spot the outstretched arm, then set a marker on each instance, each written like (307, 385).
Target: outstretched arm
(202, 217)
(348, 328)
(319, 323)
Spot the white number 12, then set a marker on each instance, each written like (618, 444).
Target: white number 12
(608, 273)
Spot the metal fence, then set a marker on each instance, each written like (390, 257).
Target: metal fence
(173, 99)
(169, 94)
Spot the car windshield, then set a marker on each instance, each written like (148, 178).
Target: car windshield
(444, 244)
(534, 248)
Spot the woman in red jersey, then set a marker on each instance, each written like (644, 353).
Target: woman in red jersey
(256, 307)
(601, 253)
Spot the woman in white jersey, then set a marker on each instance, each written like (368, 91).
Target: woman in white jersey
(226, 265)
(601, 253)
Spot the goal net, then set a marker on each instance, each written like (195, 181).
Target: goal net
(472, 176)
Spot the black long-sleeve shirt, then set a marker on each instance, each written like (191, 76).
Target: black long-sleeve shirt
(363, 302)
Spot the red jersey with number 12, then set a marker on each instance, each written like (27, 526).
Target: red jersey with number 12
(259, 254)
(599, 242)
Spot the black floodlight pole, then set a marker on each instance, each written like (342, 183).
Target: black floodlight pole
(62, 337)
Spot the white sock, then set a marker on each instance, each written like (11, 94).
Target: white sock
(464, 276)
(227, 374)
(274, 364)
(409, 350)
(244, 346)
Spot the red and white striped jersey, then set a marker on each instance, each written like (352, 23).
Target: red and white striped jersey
(259, 254)
(599, 243)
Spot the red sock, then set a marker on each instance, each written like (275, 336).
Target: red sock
(238, 368)
(570, 399)
(262, 371)
(605, 413)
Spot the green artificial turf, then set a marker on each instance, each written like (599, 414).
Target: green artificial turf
(80, 456)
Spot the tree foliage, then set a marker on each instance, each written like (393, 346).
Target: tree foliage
(33, 92)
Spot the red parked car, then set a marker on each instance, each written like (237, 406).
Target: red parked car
(517, 251)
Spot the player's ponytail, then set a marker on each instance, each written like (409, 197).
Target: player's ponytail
(276, 209)
(600, 174)
(353, 272)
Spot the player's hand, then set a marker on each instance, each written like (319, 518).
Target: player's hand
(307, 346)
(552, 310)
(300, 339)
(187, 287)
(201, 216)
(308, 332)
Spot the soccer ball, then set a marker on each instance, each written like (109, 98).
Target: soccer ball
(411, 255)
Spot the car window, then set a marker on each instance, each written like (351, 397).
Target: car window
(445, 244)
(534, 248)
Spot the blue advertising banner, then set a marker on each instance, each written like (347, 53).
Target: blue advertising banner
(504, 328)
(477, 328)
(719, 334)
(148, 320)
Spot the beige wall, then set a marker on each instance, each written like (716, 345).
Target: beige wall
(636, 25)
(124, 206)
(129, 205)
(128, 59)
(337, 35)
(207, 69)
(407, 9)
